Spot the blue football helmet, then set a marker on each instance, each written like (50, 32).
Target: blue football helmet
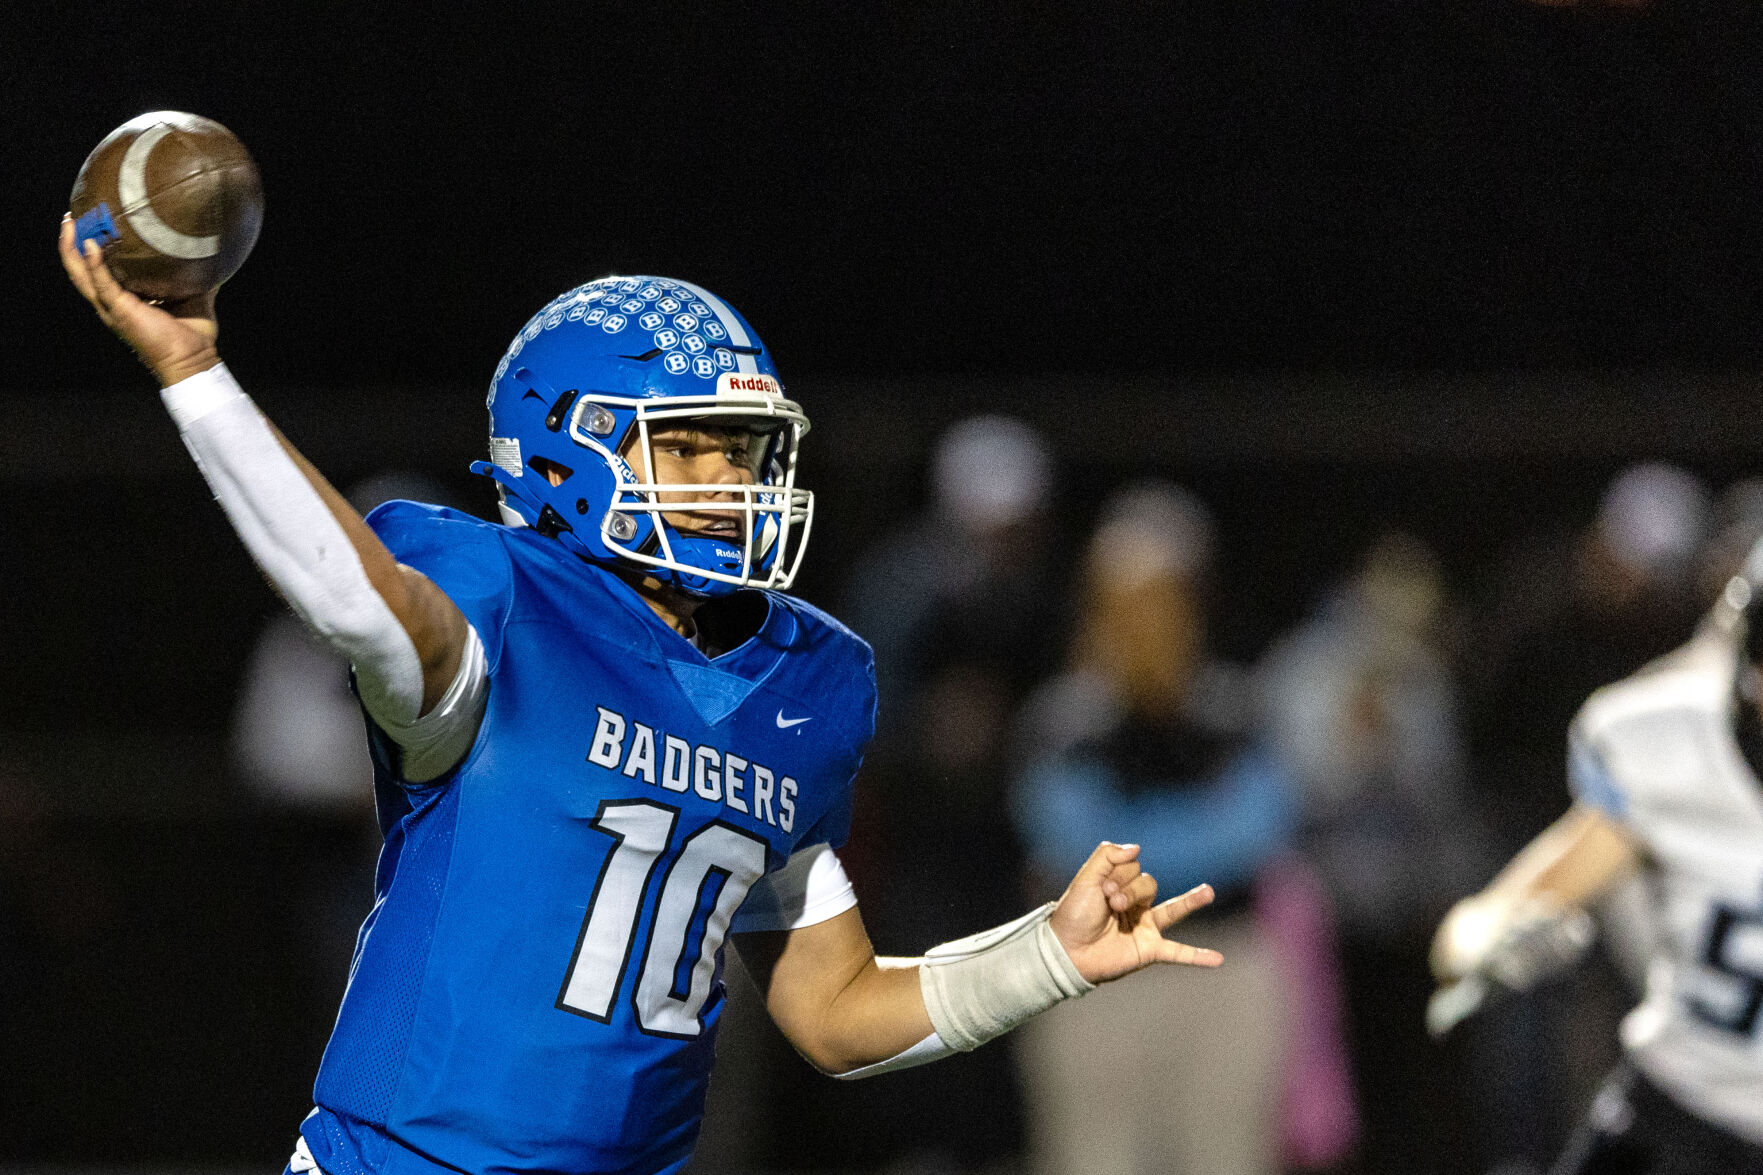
(585, 382)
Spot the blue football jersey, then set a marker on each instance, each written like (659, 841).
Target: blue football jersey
(539, 982)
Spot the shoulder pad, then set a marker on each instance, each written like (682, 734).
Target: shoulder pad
(1696, 676)
(818, 625)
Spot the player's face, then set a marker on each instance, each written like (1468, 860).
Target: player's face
(701, 455)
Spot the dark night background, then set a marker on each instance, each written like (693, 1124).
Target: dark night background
(1444, 262)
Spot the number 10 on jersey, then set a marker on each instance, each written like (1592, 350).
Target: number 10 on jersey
(677, 961)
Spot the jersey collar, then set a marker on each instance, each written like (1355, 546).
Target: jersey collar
(754, 660)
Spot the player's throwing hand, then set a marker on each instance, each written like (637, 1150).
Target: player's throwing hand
(174, 339)
(1108, 925)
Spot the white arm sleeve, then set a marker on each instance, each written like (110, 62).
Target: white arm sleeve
(291, 534)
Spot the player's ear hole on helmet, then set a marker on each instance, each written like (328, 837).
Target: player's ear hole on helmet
(554, 472)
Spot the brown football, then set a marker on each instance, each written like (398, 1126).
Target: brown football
(173, 199)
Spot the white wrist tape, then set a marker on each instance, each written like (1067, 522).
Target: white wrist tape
(291, 534)
(984, 985)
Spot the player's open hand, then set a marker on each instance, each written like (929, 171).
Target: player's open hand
(1108, 925)
(175, 339)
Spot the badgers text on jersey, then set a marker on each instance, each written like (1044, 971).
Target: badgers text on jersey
(639, 751)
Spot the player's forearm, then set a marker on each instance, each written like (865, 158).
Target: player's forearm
(879, 1015)
(854, 1015)
(1574, 861)
(979, 987)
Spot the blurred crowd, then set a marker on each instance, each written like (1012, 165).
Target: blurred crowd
(1042, 689)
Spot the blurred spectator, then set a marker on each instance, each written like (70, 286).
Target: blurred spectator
(1361, 704)
(978, 559)
(296, 731)
(1650, 521)
(1145, 738)
(1567, 614)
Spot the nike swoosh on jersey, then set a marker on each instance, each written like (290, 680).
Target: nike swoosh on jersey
(785, 723)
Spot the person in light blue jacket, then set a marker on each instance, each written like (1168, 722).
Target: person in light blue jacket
(1146, 734)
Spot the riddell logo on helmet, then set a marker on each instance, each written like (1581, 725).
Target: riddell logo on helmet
(732, 383)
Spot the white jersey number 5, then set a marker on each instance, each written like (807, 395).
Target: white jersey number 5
(716, 854)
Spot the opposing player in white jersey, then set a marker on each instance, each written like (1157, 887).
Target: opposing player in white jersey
(1666, 769)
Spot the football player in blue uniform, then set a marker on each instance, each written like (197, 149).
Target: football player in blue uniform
(604, 741)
